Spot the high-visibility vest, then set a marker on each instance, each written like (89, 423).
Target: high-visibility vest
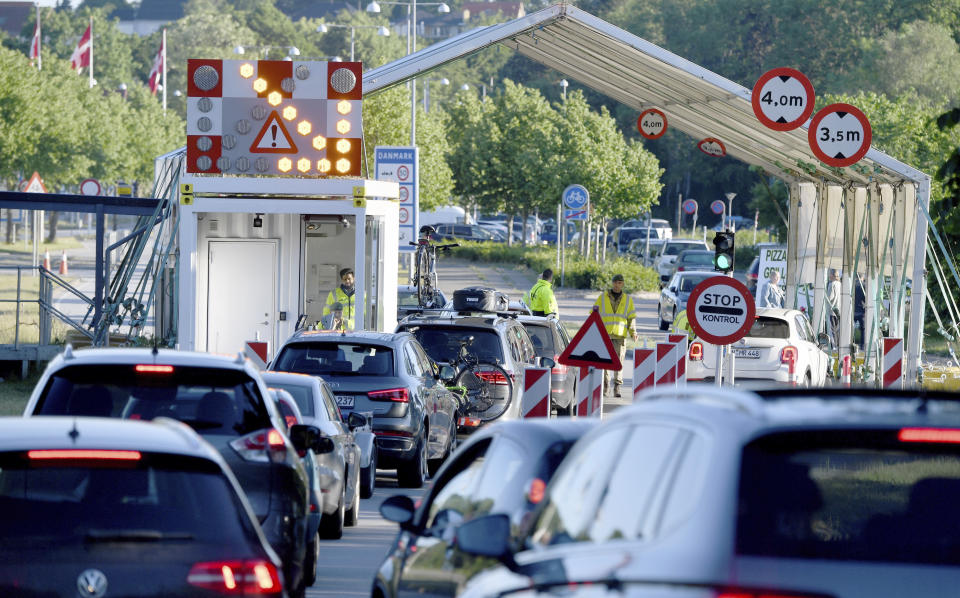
(681, 325)
(541, 298)
(618, 322)
(347, 301)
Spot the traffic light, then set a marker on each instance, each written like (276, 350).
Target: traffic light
(723, 245)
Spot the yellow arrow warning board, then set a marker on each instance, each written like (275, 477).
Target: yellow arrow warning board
(273, 138)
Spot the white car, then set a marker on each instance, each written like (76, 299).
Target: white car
(776, 337)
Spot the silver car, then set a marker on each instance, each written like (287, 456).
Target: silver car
(671, 249)
(673, 297)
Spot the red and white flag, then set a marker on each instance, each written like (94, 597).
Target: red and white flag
(153, 79)
(84, 51)
(35, 42)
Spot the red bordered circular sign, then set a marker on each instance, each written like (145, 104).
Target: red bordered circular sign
(652, 123)
(782, 99)
(721, 310)
(839, 135)
(712, 146)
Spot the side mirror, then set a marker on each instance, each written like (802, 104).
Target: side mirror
(546, 362)
(399, 509)
(823, 340)
(447, 373)
(487, 536)
(306, 437)
(673, 290)
(356, 420)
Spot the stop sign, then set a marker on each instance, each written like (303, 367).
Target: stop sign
(721, 310)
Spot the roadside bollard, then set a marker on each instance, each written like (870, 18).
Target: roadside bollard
(845, 371)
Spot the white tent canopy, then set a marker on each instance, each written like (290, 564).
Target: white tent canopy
(704, 104)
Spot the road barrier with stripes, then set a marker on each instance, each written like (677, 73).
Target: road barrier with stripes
(590, 392)
(666, 368)
(644, 366)
(892, 362)
(681, 341)
(535, 401)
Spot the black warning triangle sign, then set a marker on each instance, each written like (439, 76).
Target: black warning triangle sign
(591, 347)
(273, 138)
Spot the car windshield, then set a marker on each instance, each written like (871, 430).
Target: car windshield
(443, 344)
(212, 400)
(542, 338)
(767, 327)
(850, 495)
(687, 283)
(156, 499)
(302, 396)
(336, 359)
(698, 258)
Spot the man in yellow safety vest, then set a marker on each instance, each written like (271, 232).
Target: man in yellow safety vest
(619, 318)
(344, 295)
(540, 299)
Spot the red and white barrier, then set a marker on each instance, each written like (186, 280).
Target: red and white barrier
(666, 369)
(535, 401)
(258, 352)
(845, 371)
(681, 341)
(590, 392)
(892, 362)
(63, 263)
(644, 368)
(46, 260)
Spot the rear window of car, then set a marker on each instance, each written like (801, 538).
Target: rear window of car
(157, 499)
(688, 283)
(701, 259)
(407, 299)
(676, 248)
(542, 339)
(767, 327)
(336, 359)
(302, 396)
(211, 400)
(850, 495)
(443, 344)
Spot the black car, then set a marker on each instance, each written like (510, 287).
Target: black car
(550, 339)
(408, 301)
(223, 399)
(503, 469)
(390, 375)
(98, 507)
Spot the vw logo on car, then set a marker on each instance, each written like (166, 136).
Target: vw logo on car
(92, 583)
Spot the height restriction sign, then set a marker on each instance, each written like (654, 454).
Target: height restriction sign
(782, 99)
(652, 123)
(721, 310)
(839, 135)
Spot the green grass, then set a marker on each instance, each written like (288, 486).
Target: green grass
(54, 248)
(29, 312)
(15, 392)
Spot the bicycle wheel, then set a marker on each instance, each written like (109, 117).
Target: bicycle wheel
(424, 287)
(489, 390)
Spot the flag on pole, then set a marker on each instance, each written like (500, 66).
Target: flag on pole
(35, 42)
(153, 79)
(83, 53)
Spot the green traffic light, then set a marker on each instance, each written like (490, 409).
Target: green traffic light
(723, 262)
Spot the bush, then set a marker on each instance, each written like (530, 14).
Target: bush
(579, 272)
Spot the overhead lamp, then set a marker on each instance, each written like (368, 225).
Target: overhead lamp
(465, 87)
(238, 50)
(322, 28)
(373, 7)
(293, 51)
(443, 8)
(444, 81)
(384, 31)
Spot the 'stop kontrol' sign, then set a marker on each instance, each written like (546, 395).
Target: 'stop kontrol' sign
(721, 310)
(274, 117)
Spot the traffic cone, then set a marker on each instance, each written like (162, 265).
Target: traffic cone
(46, 260)
(63, 263)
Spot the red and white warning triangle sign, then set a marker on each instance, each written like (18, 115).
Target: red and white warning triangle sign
(591, 347)
(273, 138)
(35, 184)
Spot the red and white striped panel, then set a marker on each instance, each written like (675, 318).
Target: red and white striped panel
(257, 117)
(589, 392)
(257, 352)
(666, 368)
(681, 341)
(893, 363)
(535, 401)
(644, 367)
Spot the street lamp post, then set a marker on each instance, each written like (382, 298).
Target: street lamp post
(730, 197)
(381, 30)
(442, 7)
(563, 84)
(426, 91)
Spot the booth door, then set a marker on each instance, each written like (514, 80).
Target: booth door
(241, 294)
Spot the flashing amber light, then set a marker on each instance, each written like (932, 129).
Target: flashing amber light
(145, 368)
(260, 85)
(246, 71)
(274, 98)
(289, 113)
(343, 126)
(74, 454)
(696, 351)
(285, 164)
(323, 165)
(303, 165)
(319, 142)
(304, 127)
(343, 146)
(344, 107)
(536, 491)
(343, 165)
(935, 435)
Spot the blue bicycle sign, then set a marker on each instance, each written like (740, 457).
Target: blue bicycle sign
(576, 197)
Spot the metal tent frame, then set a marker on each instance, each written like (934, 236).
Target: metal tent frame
(703, 104)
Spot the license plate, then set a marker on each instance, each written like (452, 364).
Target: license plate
(747, 353)
(344, 401)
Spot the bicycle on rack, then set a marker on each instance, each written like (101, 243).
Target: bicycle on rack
(485, 389)
(425, 267)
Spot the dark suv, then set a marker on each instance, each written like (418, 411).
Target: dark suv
(497, 338)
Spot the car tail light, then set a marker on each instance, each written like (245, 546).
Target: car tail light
(469, 422)
(934, 435)
(83, 455)
(558, 369)
(291, 420)
(492, 377)
(145, 368)
(397, 395)
(264, 445)
(696, 351)
(536, 490)
(736, 593)
(788, 354)
(681, 269)
(237, 578)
